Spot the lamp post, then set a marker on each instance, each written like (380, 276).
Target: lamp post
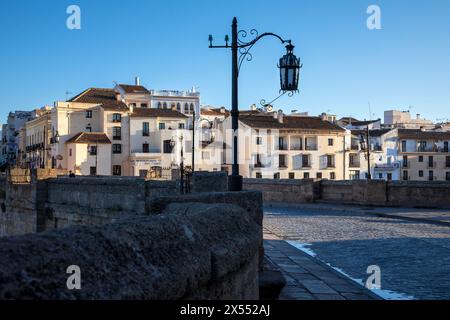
(289, 66)
(172, 145)
(365, 145)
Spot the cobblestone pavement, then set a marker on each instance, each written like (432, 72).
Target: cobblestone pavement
(414, 257)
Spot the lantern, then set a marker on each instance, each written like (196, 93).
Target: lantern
(289, 70)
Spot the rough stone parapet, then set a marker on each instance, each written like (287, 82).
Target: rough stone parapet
(179, 254)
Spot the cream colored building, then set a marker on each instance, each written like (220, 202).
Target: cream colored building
(424, 155)
(275, 146)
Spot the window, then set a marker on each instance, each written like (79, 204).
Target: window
(403, 146)
(421, 173)
(162, 126)
(405, 161)
(145, 129)
(420, 158)
(186, 108)
(389, 176)
(117, 170)
(431, 175)
(319, 175)
(205, 155)
(332, 176)
(422, 146)
(70, 152)
(117, 133)
(380, 176)
(276, 176)
(353, 162)
(447, 162)
(117, 117)
(405, 175)
(167, 148)
(281, 145)
(291, 175)
(159, 105)
(306, 175)
(132, 105)
(354, 174)
(305, 161)
(447, 176)
(282, 161)
(330, 161)
(181, 126)
(172, 106)
(93, 171)
(88, 129)
(259, 175)
(258, 141)
(330, 142)
(88, 114)
(446, 146)
(431, 162)
(164, 105)
(117, 148)
(191, 107)
(145, 148)
(93, 150)
(144, 105)
(178, 107)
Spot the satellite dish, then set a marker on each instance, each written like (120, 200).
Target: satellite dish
(253, 107)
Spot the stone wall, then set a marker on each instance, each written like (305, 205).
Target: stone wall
(288, 191)
(177, 254)
(61, 202)
(362, 192)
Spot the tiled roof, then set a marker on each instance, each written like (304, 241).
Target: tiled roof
(104, 97)
(90, 137)
(214, 112)
(289, 122)
(418, 134)
(153, 112)
(363, 123)
(134, 89)
(373, 133)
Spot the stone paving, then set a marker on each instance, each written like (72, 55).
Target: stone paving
(306, 278)
(414, 257)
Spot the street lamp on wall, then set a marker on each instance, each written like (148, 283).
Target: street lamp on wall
(289, 66)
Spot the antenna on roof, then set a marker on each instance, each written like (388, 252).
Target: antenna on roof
(67, 94)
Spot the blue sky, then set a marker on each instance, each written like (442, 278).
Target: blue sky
(346, 66)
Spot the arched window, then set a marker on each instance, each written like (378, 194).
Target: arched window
(178, 107)
(172, 106)
(186, 108)
(191, 107)
(164, 105)
(159, 105)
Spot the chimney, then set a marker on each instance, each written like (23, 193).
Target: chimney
(137, 81)
(418, 116)
(280, 116)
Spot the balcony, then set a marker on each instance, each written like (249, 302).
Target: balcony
(311, 147)
(354, 147)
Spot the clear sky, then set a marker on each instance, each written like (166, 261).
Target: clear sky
(346, 65)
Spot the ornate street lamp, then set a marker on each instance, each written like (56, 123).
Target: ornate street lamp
(289, 74)
(289, 70)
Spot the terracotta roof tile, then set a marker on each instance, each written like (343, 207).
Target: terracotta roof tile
(104, 97)
(153, 112)
(90, 137)
(134, 89)
(418, 134)
(289, 122)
